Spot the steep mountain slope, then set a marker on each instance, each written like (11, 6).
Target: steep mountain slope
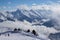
(36, 17)
(29, 15)
(2, 17)
(55, 36)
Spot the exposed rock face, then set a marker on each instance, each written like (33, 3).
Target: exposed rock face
(55, 36)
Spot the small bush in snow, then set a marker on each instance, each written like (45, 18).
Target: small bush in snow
(19, 29)
(8, 34)
(0, 34)
(28, 30)
(15, 29)
(34, 32)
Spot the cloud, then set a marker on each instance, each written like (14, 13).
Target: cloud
(42, 30)
(24, 6)
(53, 6)
(56, 17)
(42, 7)
(9, 7)
(4, 7)
(58, 1)
(34, 4)
(9, 2)
(0, 7)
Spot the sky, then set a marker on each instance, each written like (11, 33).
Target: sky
(11, 4)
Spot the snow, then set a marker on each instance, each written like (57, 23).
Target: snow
(1, 17)
(42, 31)
(16, 37)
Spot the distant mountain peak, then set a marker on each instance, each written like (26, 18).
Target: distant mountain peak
(29, 15)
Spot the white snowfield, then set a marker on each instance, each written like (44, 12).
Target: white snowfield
(42, 31)
(17, 37)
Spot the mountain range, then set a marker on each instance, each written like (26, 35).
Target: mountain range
(32, 15)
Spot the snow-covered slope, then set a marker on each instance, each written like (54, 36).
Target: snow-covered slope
(17, 37)
(29, 15)
(55, 36)
(42, 31)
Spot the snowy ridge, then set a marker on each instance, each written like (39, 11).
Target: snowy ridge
(42, 31)
(29, 15)
(23, 34)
